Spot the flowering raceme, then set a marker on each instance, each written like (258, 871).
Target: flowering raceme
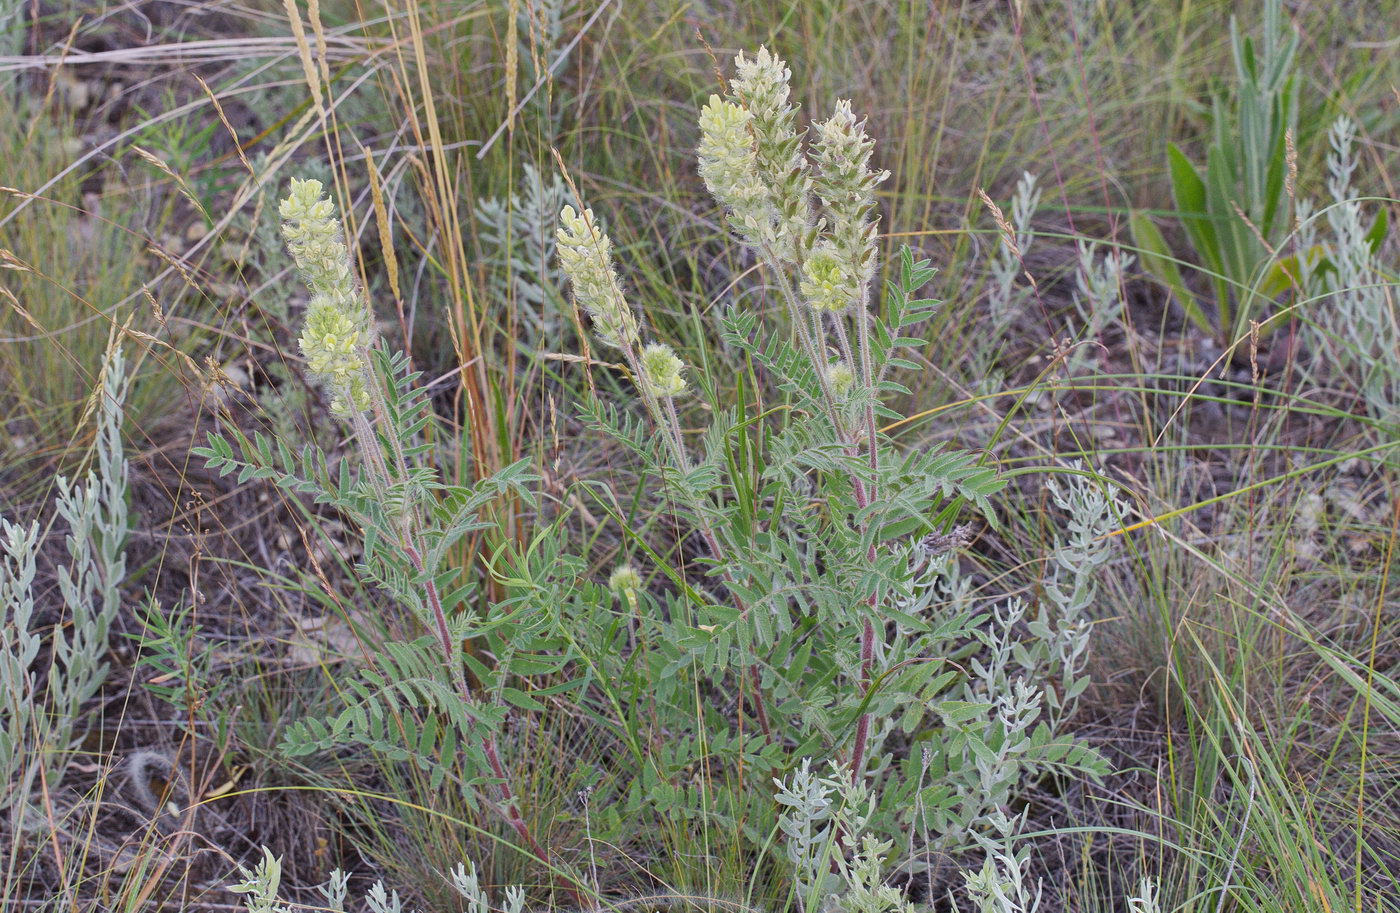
(330, 342)
(761, 85)
(846, 186)
(312, 233)
(585, 254)
(730, 169)
(337, 332)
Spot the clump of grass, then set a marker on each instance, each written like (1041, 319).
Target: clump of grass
(72, 277)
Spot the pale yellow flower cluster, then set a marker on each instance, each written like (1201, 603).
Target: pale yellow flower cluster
(624, 580)
(761, 85)
(585, 254)
(730, 169)
(826, 283)
(662, 371)
(846, 185)
(312, 233)
(840, 376)
(337, 334)
(331, 341)
(753, 162)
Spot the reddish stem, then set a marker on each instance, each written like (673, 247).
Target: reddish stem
(758, 707)
(867, 661)
(509, 807)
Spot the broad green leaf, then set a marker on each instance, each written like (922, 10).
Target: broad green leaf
(1189, 191)
(961, 711)
(1157, 259)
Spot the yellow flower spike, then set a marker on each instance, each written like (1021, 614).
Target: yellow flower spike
(730, 168)
(585, 254)
(337, 324)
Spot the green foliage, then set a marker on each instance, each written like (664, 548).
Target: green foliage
(830, 617)
(414, 703)
(408, 704)
(826, 620)
(1235, 208)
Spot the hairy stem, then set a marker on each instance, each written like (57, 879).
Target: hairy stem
(868, 630)
(867, 661)
(869, 382)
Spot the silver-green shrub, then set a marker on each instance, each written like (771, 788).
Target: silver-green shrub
(1098, 296)
(821, 817)
(19, 647)
(42, 706)
(1009, 262)
(1001, 884)
(519, 231)
(1061, 636)
(1341, 273)
(262, 884)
